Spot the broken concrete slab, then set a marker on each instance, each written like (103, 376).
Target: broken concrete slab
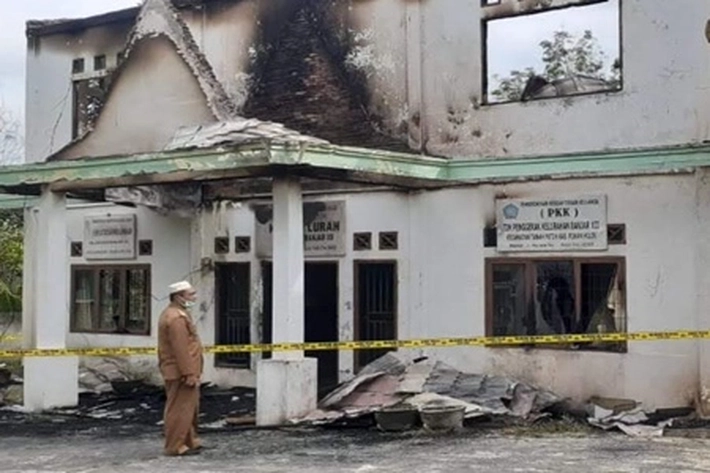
(13, 394)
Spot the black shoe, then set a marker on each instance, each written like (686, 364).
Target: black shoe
(192, 451)
(204, 447)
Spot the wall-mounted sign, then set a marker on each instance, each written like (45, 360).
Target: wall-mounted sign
(110, 237)
(554, 224)
(323, 229)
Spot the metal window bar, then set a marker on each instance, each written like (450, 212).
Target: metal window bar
(377, 302)
(234, 324)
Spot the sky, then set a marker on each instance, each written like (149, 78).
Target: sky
(513, 43)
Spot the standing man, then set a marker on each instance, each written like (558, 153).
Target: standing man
(180, 361)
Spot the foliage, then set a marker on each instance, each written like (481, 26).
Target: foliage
(11, 225)
(11, 141)
(11, 255)
(563, 56)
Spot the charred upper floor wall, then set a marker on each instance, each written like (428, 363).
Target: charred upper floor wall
(389, 72)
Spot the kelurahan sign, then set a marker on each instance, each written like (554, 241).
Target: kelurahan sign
(323, 229)
(554, 224)
(110, 237)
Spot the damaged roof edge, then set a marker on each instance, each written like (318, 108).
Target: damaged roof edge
(337, 163)
(48, 27)
(36, 28)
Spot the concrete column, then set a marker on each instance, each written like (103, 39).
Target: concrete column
(288, 304)
(48, 382)
(287, 385)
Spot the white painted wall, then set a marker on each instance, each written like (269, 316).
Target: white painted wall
(425, 60)
(154, 95)
(441, 281)
(170, 262)
(660, 218)
(49, 89)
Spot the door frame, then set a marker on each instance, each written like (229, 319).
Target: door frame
(218, 310)
(356, 300)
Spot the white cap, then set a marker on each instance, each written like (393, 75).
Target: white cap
(179, 287)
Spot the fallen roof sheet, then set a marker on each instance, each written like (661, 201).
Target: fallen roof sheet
(395, 379)
(236, 132)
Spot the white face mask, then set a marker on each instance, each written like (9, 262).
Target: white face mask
(188, 304)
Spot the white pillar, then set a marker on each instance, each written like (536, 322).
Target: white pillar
(288, 305)
(48, 382)
(287, 385)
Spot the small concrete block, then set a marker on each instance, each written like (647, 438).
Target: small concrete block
(285, 390)
(51, 382)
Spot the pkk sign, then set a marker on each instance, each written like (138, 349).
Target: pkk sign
(323, 229)
(554, 224)
(110, 237)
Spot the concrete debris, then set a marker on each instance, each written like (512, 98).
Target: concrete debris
(393, 380)
(13, 394)
(5, 377)
(102, 375)
(631, 418)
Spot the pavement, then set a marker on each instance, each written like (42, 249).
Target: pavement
(356, 451)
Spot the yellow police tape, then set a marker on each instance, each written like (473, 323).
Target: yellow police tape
(378, 344)
(10, 338)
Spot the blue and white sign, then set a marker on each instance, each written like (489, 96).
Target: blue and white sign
(552, 224)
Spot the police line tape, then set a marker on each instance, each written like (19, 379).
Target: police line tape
(10, 338)
(377, 344)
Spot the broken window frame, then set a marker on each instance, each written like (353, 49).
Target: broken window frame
(506, 9)
(511, 8)
(94, 300)
(82, 94)
(530, 288)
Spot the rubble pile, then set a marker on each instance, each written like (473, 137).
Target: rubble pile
(395, 382)
(392, 391)
(118, 396)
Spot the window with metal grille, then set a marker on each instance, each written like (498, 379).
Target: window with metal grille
(77, 66)
(111, 299)
(242, 244)
(490, 237)
(100, 62)
(375, 306)
(221, 245)
(616, 234)
(145, 247)
(76, 249)
(556, 296)
(233, 312)
(362, 241)
(389, 240)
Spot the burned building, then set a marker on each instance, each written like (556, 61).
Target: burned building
(434, 202)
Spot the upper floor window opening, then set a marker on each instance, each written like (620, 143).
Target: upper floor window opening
(552, 52)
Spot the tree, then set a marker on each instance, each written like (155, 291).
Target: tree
(565, 55)
(11, 224)
(11, 141)
(11, 255)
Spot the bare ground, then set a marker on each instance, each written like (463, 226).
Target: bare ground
(361, 450)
